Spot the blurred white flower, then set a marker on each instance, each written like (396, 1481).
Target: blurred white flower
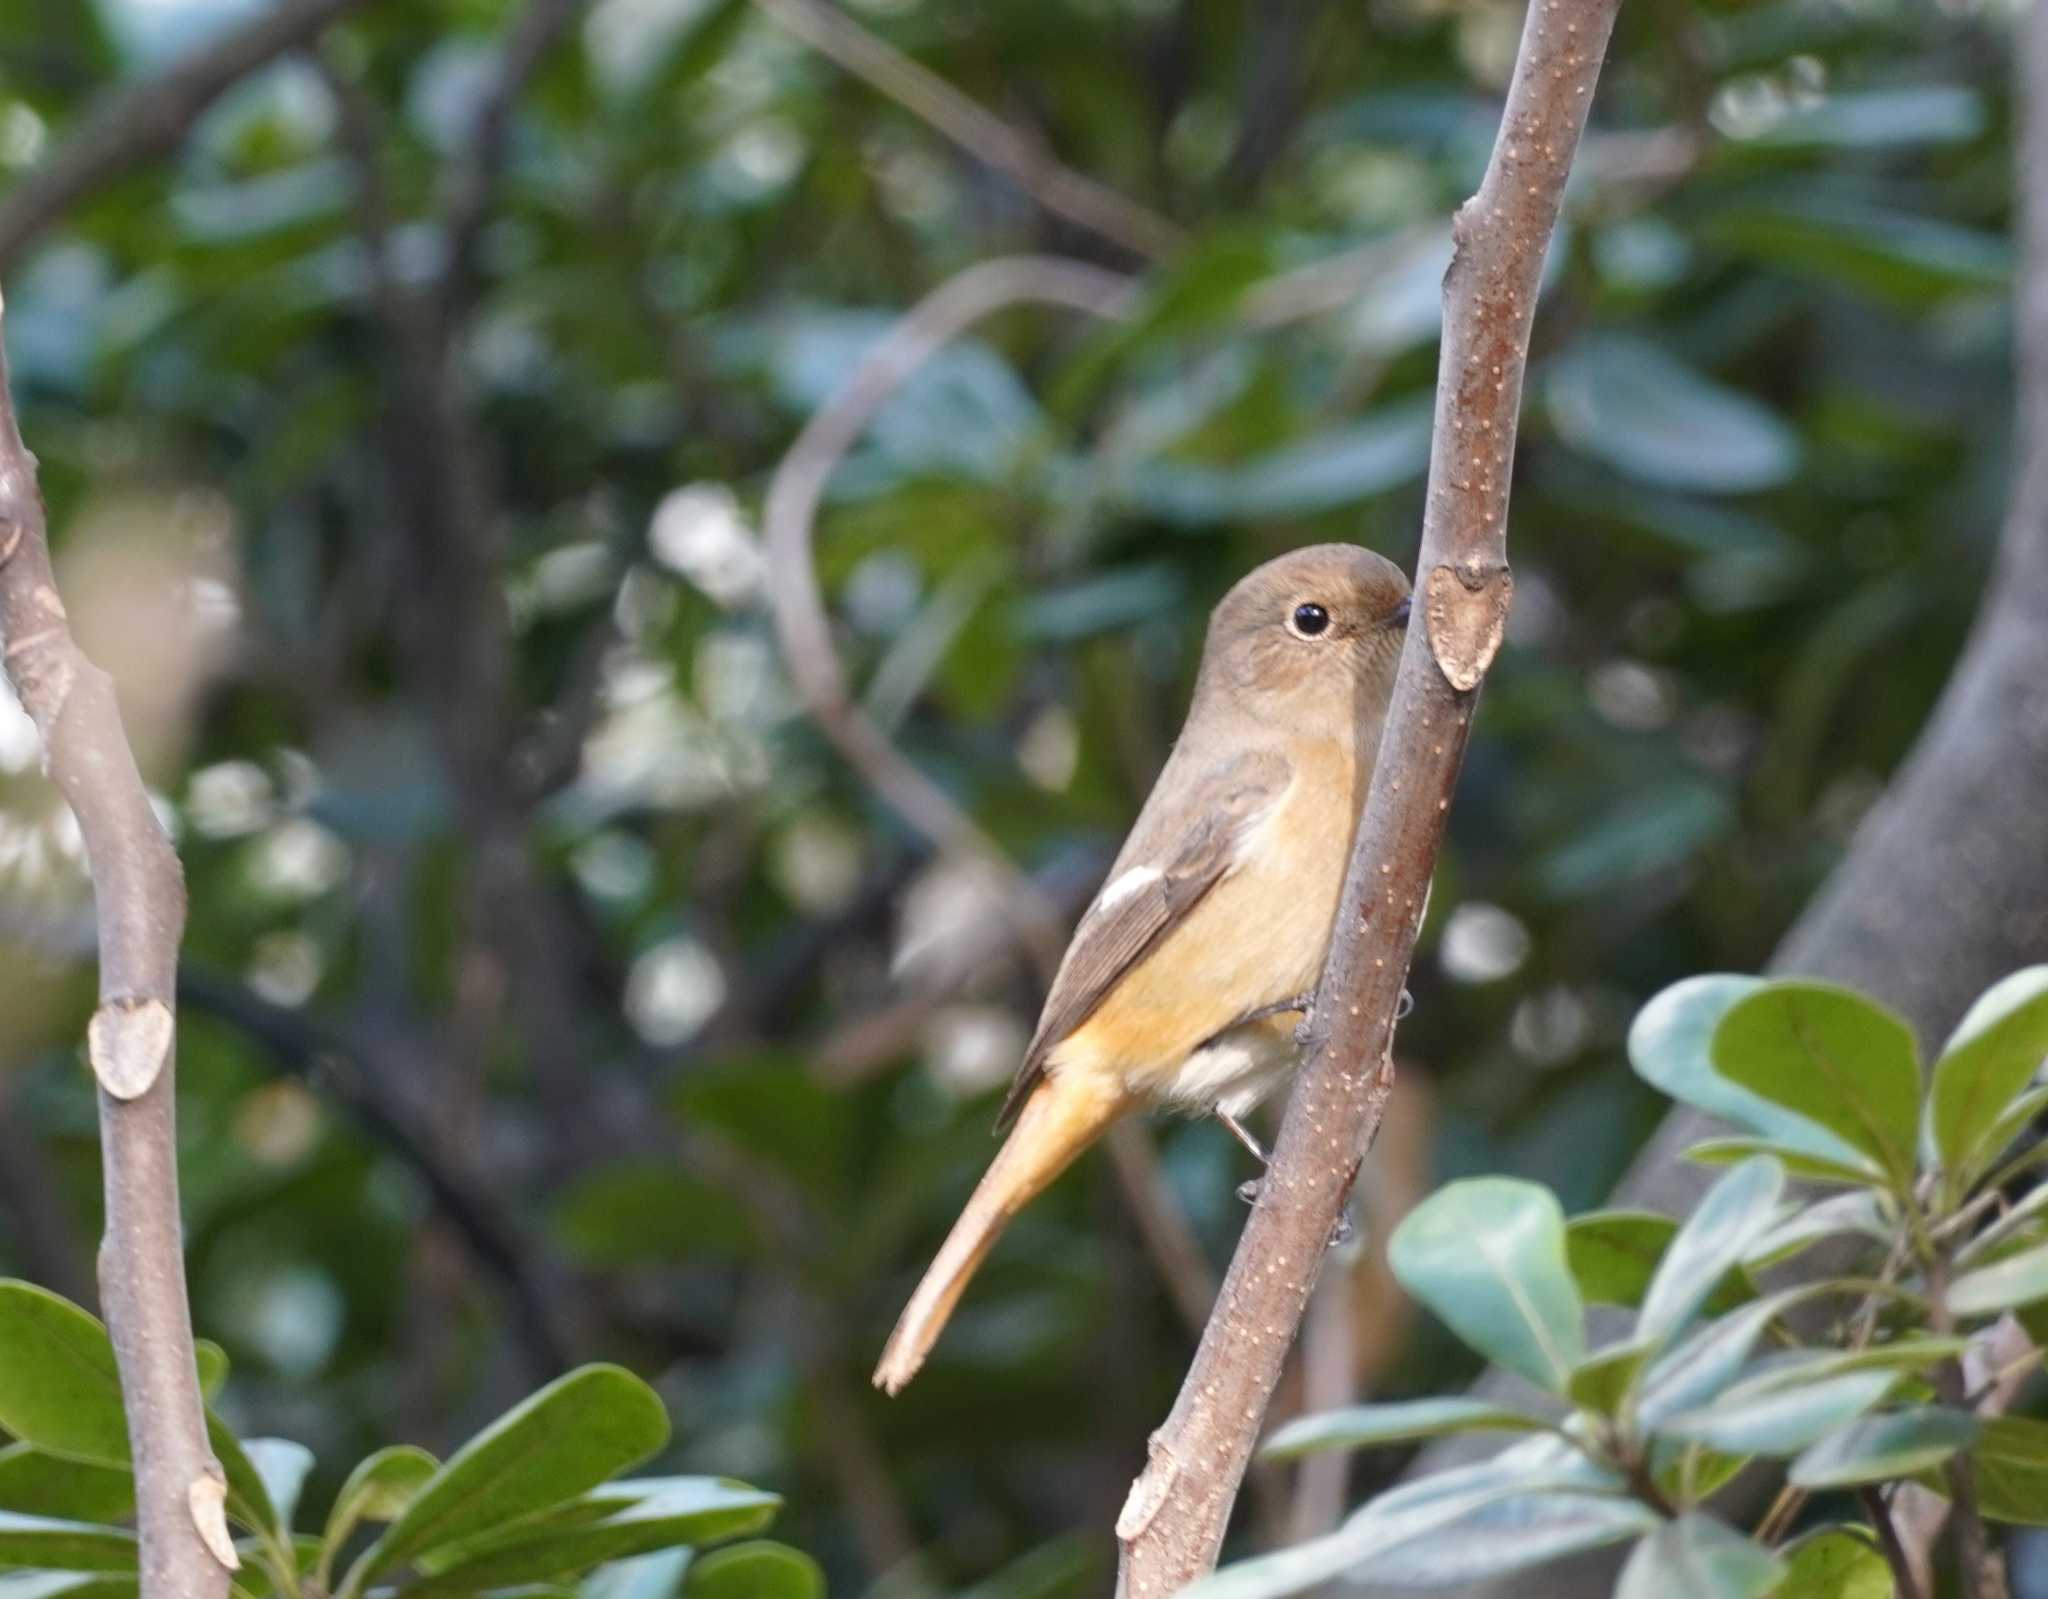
(1551, 1027)
(571, 575)
(673, 989)
(1632, 697)
(698, 532)
(945, 907)
(298, 859)
(1482, 943)
(1050, 749)
(816, 863)
(613, 865)
(228, 799)
(973, 1048)
(19, 743)
(285, 967)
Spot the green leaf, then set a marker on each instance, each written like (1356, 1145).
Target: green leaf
(1780, 1420)
(248, 1493)
(1670, 1046)
(1801, 1164)
(2016, 1280)
(1613, 1254)
(1360, 1425)
(379, 1489)
(577, 1432)
(1416, 1510)
(1869, 1212)
(2017, 1117)
(1699, 1368)
(1834, 1563)
(59, 1387)
(1605, 1378)
(759, 1570)
(1993, 1054)
(1901, 1354)
(1878, 1448)
(1926, 113)
(44, 1485)
(682, 1510)
(283, 1466)
(1900, 256)
(1698, 1557)
(1627, 403)
(213, 1368)
(67, 1585)
(1510, 1535)
(2011, 1459)
(1735, 1212)
(1338, 467)
(1487, 1256)
(1831, 1056)
(52, 1545)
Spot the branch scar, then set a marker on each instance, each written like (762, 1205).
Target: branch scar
(1149, 1493)
(127, 1043)
(1467, 609)
(207, 1498)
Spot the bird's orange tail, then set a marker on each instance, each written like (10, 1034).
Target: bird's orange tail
(1062, 1117)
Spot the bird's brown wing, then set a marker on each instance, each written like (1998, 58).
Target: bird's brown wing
(1186, 838)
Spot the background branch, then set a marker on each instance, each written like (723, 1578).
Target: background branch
(139, 122)
(1173, 1523)
(139, 901)
(976, 129)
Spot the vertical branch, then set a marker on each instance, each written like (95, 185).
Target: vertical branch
(1173, 1523)
(139, 901)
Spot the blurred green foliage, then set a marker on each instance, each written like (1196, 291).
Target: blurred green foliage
(497, 1062)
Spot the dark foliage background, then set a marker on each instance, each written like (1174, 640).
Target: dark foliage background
(556, 993)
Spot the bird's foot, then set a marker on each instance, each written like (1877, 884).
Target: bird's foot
(1340, 1235)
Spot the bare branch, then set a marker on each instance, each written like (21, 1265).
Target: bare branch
(139, 902)
(1173, 1523)
(139, 122)
(791, 512)
(976, 129)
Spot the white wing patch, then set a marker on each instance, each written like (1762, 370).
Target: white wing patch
(1125, 885)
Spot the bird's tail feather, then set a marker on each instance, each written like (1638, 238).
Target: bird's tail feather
(1062, 1117)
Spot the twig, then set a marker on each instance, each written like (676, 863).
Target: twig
(139, 901)
(792, 508)
(1173, 1523)
(1164, 1226)
(976, 129)
(139, 122)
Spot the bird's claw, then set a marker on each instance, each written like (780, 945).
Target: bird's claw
(1340, 1235)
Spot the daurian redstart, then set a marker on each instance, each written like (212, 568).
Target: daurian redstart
(1183, 981)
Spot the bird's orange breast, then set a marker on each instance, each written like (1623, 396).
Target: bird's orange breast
(1257, 938)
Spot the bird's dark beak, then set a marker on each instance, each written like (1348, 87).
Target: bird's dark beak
(1399, 616)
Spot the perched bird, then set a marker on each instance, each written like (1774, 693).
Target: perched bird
(1181, 985)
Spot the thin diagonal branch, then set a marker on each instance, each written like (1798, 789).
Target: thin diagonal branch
(791, 513)
(1173, 1523)
(139, 902)
(976, 129)
(139, 122)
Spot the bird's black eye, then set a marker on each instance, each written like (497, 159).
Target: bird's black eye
(1310, 619)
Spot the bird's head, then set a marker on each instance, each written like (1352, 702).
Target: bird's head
(1308, 643)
